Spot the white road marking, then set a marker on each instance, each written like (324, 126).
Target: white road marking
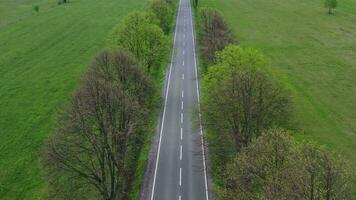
(181, 118)
(183, 63)
(180, 197)
(181, 151)
(183, 52)
(182, 76)
(182, 106)
(181, 133)
(199, 109)
(165, 107)
(182, 94)
(180, 176)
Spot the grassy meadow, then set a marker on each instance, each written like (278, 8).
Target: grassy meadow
(42, 57)
(313, 53)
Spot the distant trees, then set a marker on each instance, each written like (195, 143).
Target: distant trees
(240, 99)
(274, 166)
(330, 4)
(140, 34)
(91, 147)
(215, 34)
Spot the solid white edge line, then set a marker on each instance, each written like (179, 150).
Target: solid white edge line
(165, 103)
(198, 96)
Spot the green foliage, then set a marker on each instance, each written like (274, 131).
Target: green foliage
(330, 4)
(139, 34)
(164, 12)
(36, 8)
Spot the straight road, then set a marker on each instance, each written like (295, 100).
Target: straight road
(180, 171)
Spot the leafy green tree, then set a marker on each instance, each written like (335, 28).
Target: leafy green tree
(140, 34)
(330, 4)
(240, 98)
(164, 12)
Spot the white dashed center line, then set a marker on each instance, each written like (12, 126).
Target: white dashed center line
(181, 133)
(180, 176)
(181, 155)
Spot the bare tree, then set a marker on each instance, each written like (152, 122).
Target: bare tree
(91, 143)
(215, 34)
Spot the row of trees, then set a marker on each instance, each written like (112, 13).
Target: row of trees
(243, 107)
(94, 151)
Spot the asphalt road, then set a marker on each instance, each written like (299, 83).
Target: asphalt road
(180, 171)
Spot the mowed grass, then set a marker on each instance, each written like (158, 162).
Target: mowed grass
(42, 58)
(313, 53)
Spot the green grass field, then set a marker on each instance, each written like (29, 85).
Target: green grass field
(42, 58)
(313, 53)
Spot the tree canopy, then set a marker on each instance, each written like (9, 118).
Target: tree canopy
(140, 34)
(240, 99)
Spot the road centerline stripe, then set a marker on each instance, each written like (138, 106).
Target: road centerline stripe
(165, 104)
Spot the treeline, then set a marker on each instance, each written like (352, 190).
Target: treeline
(245, 110)
(94, 152)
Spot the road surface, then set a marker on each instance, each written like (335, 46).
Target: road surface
(179, 170)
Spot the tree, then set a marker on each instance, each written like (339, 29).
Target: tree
(240, 98)
(163, 11)
(330, 4)
(140, 35)
(36, 8)
(195, 3)
(91, 144)
(274, 166)
(215, 34)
